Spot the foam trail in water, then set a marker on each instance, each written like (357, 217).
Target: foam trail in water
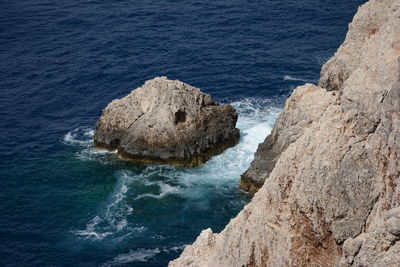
(290, 78)
(90, 231)
(256, 119)
(141, 255)
(93, 154)
(114, 218)
(81, 136)
(165, 190)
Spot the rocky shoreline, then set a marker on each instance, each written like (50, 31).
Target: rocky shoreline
(327, 179)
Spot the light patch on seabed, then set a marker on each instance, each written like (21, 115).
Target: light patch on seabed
(221, 173)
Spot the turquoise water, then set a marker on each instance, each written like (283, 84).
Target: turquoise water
(62, 202)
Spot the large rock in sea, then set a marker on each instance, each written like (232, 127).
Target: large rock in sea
(166, 121)
(329, 173)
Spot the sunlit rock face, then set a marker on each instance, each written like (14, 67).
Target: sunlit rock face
(329, 173)
(167, 121)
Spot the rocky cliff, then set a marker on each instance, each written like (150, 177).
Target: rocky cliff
(167, 121)
(329, 173)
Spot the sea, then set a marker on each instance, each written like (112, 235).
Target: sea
(64, 203)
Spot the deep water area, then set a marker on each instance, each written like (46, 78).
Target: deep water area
(64, 203)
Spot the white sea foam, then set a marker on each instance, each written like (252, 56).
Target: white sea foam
(221, 173)
(290, 78)
(141, 255)
(256, 119)
(91, 153)
(113, 219)
(90, 233)
(81, 136)
(177, 248)
(165, 190)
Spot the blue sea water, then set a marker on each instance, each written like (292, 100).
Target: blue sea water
(62, 203)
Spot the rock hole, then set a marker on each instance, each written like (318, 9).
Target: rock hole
(180, 116)
(372, 31)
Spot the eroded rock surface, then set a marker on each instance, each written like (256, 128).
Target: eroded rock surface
(167, 121)
(304, 106)
(331, 195)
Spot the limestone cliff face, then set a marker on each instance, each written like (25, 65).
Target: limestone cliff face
(331, 194)
(305, 105)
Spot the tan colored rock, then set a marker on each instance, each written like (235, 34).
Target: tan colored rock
(332, 196)
(304, 106)
(167, 121)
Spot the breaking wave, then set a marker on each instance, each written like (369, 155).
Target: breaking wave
(81, 136)
(156, 186)
(113, 220)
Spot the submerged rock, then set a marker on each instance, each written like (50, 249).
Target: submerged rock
(167, 121)
(330, 170)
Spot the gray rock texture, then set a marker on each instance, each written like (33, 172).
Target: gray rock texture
(330, 173)
(167, 121)
(305, 105)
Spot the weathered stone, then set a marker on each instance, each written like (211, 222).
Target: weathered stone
(351, 246)
(167, 121)
(332, 165)
(304, 106)
(393, 226)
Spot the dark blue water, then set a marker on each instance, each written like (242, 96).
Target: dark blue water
(63, 203)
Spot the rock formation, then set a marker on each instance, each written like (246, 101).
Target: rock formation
(305, 105)
(329, 172)
(167, 121)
